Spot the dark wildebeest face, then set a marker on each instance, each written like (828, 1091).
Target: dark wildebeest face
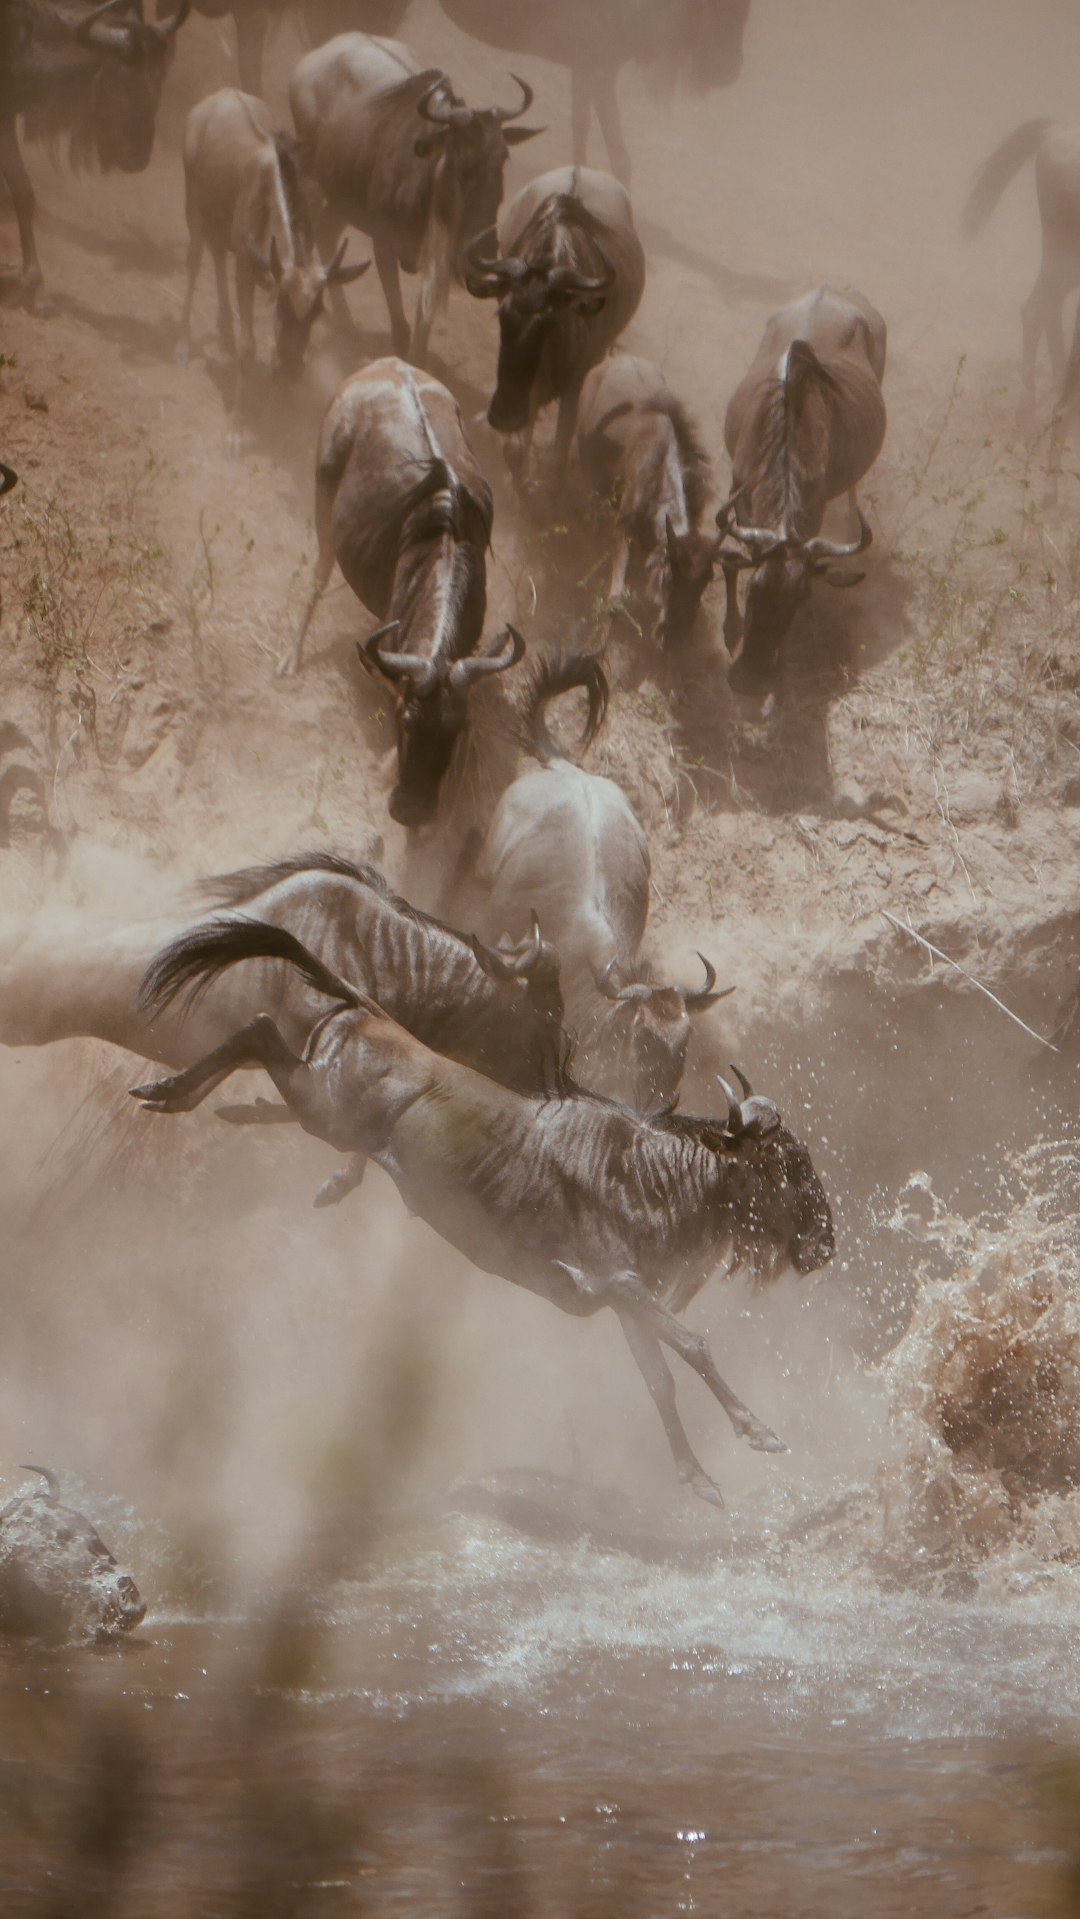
(471, 146)
(299, 302)
(533, 302)
(529, 976)
(58, 1579)
(646, 1036)
(117, 124)
(431, 702)
(779, 1210)
(689, 564)
(783, 570)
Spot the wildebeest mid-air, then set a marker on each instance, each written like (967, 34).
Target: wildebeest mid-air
(244, 196)
(96, 78)
(569, 276)
(575, 1198)
(398, 154)
(803, 427)
(696, 43)
(403, 507)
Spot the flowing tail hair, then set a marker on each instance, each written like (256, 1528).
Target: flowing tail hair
(549, 676)
(187, 966)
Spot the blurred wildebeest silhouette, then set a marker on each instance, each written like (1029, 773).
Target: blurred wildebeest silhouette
(58, 1580)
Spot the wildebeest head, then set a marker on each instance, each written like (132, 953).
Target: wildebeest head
(535, 297)
(470, 147)
(58, 1579)
(529, 975)
(778, 1211)
(783, 569)
(640, 1052)
(679, 581)
(116, 121)
(431, 700)
(298, 302)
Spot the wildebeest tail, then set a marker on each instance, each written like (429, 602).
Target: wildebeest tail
(188, 965)
(994, 174)
(234, 889)
(549, 676)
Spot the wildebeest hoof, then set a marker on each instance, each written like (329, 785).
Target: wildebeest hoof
(336, 1188)
(157, 1096)
(760, 1438)
(706, 1488)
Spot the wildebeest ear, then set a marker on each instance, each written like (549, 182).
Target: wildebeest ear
(515, 135)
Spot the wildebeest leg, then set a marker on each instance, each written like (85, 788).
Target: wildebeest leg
(1042, 313)
(194, 261)
(257, 1044)
(251, 24)
(628, 1288)
(654, 1370)
(329, 229)
(343, 1182)
(226, 334)
(22, 194)
(387, 267)
(607, 112)
(565, 428)
(434, 285)
(580, 109)
(293, 657)
(1064, 411)
(245, 307)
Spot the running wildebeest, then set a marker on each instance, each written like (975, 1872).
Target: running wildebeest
(1056, 153)
(97, 79)
(804, 426)
(638, 445)
(58, 1580)
(696, 43)
(577, 1199)
(244, 196)
(568, 278)
(402, 506)
(396, 153)
(570, 842)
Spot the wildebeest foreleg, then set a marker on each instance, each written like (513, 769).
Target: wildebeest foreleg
(387, 268)
(22, 194)
(257, 1044)
(607, 112)
(343, 1182)
(628, 1290)
(226, 334)
(654, 1370)
(1042, 313)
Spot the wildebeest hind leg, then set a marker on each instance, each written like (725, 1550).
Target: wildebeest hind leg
(257, 1044)
(343, 1182)
(654, 1371)
(626, 1290)
(387, 269)
(22, 193)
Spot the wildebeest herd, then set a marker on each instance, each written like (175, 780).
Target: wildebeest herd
(517, 1078)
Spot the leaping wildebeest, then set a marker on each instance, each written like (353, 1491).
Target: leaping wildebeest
(395, 152)
(402, 506)
(569, 276)
(803, 426)
(567, 844)
(695, 43)
(244, 196)
(96, 78)
(1056, 153)
(638, 444)
(577, 1198)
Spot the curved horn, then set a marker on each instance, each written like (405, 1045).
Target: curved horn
(700, 1001)
(52, 1484)
(724, 513)
(82, 34)
(493, 659)
(397, 666)
(533, 952)
(818, 550)
(763, 540)
(747, 1089)
(503, 114)
(570, 280)
(445, 113)
(8, 478)
(485, 277)
(734, 1122)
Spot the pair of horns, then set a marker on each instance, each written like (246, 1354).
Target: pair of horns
(121, 36)
(695, 1002)
(752, 1117)
(488, 279)
(512, 962)
(439, 105)
(762, 542)
(426, 675)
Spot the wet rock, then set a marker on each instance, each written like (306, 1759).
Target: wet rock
(58, 1580)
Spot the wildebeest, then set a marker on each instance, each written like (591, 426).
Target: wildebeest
(695, 42)
(397, 153)
(58, 1580)
(804, 425)
(402, 506)
(252, 20)
(244, 196)
(97, 79)
(1056, 153)
(576, 1199)
(568, 845)
(569, 276)
(638, 444)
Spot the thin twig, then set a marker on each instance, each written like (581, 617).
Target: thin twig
(903, 927)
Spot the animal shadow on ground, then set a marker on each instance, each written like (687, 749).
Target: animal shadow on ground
(141, 342)
(757, 287)
(131, 248)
